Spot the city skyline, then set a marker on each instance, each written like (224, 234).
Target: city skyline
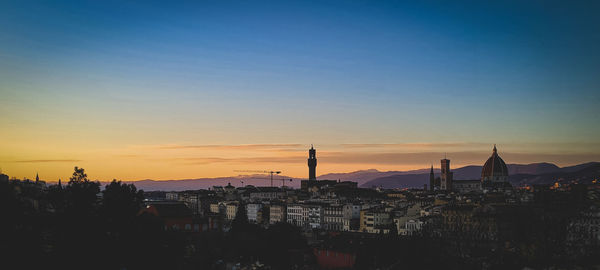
(187, 90)
(331, 161)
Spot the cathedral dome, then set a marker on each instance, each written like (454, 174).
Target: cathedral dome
(494, 168)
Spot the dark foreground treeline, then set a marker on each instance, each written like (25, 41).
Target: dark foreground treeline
(72, 227)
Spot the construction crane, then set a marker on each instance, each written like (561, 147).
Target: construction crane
(269, 172)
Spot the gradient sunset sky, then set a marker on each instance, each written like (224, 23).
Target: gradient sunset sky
(171, 90)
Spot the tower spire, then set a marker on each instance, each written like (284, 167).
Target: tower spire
(495, 150)
(431, 179)
(312, 163)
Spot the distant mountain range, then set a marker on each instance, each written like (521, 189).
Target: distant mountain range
(519, 174)
(536, 173)
(205, 183)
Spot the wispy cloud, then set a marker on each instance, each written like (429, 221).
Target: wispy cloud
(238, 160)
(463, 157)
(46, 160)
(394, 158)
(414, 147)
(374, 155)
(230, 147)
(127, 156)
(201, 160)
(409, 145)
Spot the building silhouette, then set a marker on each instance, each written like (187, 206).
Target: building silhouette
(312, 163)
(446, 175)
(313, 185)
(495, 172)
(431, 180)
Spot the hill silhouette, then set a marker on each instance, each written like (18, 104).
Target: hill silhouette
(368, 178)
(519, 174)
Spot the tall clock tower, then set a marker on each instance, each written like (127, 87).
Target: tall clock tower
(312, 163)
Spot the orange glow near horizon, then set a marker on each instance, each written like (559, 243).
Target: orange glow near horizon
(189, 161)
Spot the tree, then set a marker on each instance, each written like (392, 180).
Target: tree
(278, 242)
(56, 197)
(121, 201)
(78, 176)
(82, 193)
(393, 233)
(240, 222)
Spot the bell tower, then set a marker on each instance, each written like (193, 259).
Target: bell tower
(446, 175)
(312, 163)
(431, 180)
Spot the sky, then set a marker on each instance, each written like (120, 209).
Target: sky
(136, 90)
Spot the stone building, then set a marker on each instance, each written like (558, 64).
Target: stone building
(313, 215)
(294, 214)
(494, 174)
(277, 213)
(333, 217)
(375, 220)
(351, 215)
(231, 210)
(254, 212)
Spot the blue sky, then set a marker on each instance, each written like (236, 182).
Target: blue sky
(109, 75)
